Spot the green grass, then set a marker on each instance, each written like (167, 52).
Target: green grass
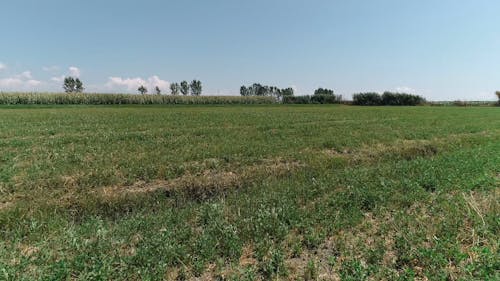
(249, 192)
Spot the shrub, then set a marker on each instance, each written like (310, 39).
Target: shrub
(297, 100)
(388, 98)
(367, 99)
(324, 99)
(315, 99)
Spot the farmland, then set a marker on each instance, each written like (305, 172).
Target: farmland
(249, 192)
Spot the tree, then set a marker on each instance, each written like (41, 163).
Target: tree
(325, 92)
(184, 88)
(196, 88)
(78, 86)
(158, 91)
(274, 92)
(257, 89)
(72, 85)
(174, 89)
(143, 90)
(244, 91)
(288, 92)
(262, 90)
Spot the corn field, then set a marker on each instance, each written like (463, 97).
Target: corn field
(97, 99)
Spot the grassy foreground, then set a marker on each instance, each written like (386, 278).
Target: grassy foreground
(249, 193)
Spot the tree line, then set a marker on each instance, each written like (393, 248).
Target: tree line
(73, 85)
(265, 91)
(328, 96)
(194, 88)
(387, 98)
(286, 95)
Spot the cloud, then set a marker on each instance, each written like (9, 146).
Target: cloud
(25, 75)
(58, 79)
(3, 66)
(74, 71)
(131, 84)
(19, 83)
(405, 89)
(53, 68)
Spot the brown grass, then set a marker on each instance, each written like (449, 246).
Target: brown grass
(208, 182)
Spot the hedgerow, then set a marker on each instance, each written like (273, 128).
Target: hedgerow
(315, 99)
(388, 98)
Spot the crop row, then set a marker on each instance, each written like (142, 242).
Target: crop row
(96, 99)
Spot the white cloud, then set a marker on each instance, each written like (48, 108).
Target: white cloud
(19, 83)
(10, 82)
(74, 71)
(53, 68)
(33, 83)
(25, 75)
(155, 81)
(131, 84)
(3, 66)
(405, 89)
(58, 78)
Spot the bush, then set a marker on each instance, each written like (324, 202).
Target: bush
(109, 99)
(315, 99)
(324, 99)
(498, 95)
(297, 100)
(367, 99)
(388, 98)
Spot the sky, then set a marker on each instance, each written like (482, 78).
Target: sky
(440, 49)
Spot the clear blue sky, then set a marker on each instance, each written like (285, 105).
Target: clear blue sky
(442, 49)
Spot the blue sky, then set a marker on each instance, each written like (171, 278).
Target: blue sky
(442, 49)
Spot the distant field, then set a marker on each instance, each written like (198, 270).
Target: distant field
(249, 192)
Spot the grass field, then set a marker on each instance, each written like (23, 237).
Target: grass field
(256, 192)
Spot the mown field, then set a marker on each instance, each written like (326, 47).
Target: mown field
(255, 192)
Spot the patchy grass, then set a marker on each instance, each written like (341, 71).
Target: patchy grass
(249, 193)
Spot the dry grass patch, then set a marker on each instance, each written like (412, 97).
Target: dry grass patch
(407, 150)
(5, 205)
(208, 182)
